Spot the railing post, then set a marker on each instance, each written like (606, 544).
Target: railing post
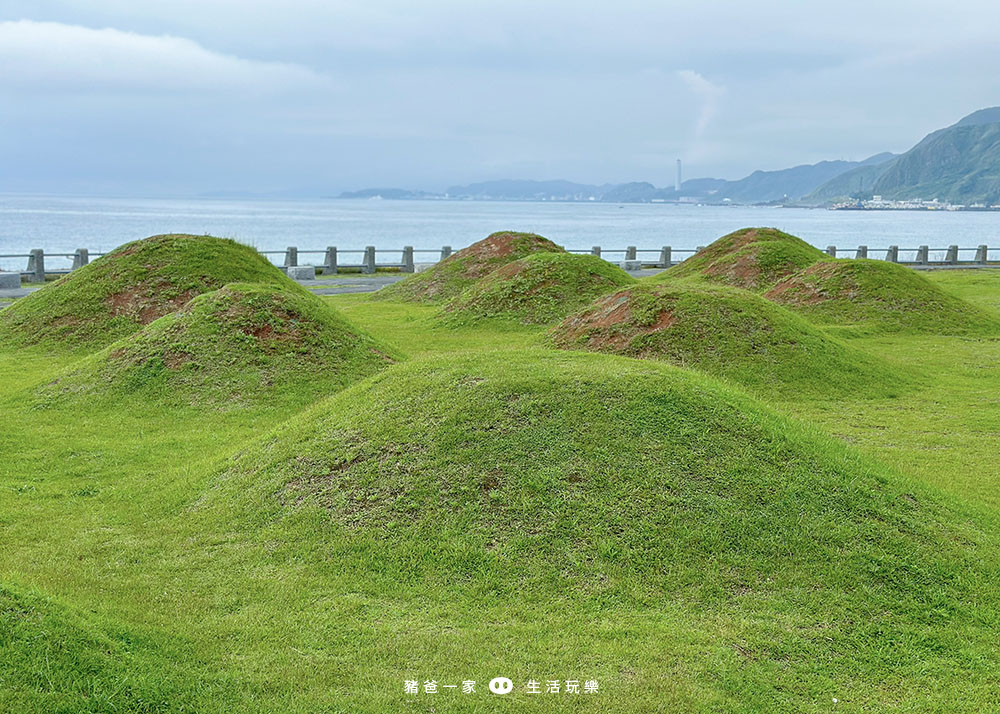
(330, 261)
(596, 250)
(369, 263)
(952, 256)
(831, 250)
(862, 252)
(630, 253)
(80, 258)
(923, 255)
(36, 266)
(892, 255)
(408, 259)
(665, 256)
(445, 252)
(291, 256)
(981, 253)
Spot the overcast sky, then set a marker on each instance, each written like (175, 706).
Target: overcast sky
(183, 96)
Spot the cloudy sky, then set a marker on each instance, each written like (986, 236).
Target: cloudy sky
(183, 96)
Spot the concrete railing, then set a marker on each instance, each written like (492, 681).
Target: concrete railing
(369, 259)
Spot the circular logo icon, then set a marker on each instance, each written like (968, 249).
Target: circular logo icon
(501, 685)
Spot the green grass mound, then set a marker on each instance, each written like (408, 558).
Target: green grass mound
(880, 295)
(727, 332)
(537, 289)
(751, 258)
(458, 271)
(233, 346)
(60, 661)
(553, 481)
(133, 285)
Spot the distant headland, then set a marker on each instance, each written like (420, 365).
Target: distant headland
(955, 168)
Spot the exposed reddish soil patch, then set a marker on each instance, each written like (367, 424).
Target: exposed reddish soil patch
(138, 303)
(608, 325)
(480, 257)
(800, 290)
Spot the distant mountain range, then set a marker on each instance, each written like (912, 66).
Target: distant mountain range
(959, 165)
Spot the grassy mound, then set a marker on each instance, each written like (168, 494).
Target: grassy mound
(60, 661)
(233, 345)
(553, 481)
(751, 258)
(726, 332)
(537, 289)
(135, 284)
(881, 295)
(458, 271)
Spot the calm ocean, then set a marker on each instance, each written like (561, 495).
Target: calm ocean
(59, 224)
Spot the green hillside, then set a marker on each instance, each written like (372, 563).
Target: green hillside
(959, 165)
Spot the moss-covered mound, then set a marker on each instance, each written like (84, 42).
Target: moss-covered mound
(537, 289)
(536, 478)
(458, 271)
(751, 258)
(56, 659)
(875, 294)
(726, 332)
(130, 287)
(234, 346)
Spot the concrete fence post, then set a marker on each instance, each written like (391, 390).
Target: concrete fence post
(80, 258)
(291, 256)
(862, 252)
(981, 254)
(630, 253)
(408, 259)
(330, 261)
(445, 252)
(923, 255)
(596, 250)
(831, 250)
(892, 255)
(665, 256)
(369, 263)
(36, 266)
(951, 258)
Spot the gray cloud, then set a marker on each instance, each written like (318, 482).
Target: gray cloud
(186, 95)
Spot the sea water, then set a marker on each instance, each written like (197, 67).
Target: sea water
(62, 224)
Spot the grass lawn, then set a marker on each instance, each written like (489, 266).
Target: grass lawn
(492, 507)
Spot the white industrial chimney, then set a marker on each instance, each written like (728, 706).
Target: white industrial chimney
(677, 182)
